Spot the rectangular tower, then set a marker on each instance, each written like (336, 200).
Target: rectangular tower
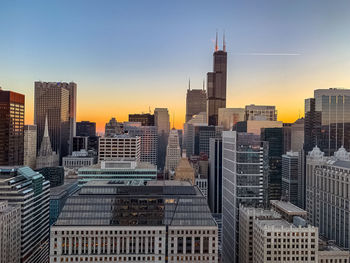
(11, 128)
(57, 101)
(216, 85)
(196, 102)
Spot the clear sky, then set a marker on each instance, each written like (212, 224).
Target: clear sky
(127, 56)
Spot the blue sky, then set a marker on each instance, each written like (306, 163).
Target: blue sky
(128, 55)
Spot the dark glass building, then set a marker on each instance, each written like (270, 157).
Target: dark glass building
(196, 102)
(274, 137)
(145, 119)
(202, 134)
(215, 175)
(216, 85)
(55, 175)
(11, 128)
(86, 128)
(80, 143)
(57, 101)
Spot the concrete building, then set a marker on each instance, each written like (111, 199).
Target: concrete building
(168, 222)
(290, 171)
(58, 197)
(244, 180)
(228, 117)
(260, 112)
(56, 101)
(329, 252)
(113, 127)
(216, 84)
(30, 136)
(173, 151)
(196, 102)
(11, 128)
(77, 160)
(328, 195)
(10, 233)
(28, 189)
(119, 146)
(46, 156)
(149, 140)
(119, 171)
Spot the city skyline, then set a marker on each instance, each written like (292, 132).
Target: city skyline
(279, 52)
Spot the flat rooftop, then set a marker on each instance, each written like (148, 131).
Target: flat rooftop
(287, 207)
(278, 223)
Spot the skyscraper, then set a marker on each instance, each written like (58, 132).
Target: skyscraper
(86, 128)
(29, 189)
(11, 128)
(274, 138)
(290, 166)
(215, 175)
(216, 84)
(228, 117)
(173, 151)
(30, 136)
(113, 127)
(161, 120)
(57, 102)
(260, 112)
(244, 178)
(196, 102)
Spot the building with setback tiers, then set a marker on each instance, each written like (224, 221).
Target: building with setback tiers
(216, 84)
(28, 189)
(163, 221)
(11, 128)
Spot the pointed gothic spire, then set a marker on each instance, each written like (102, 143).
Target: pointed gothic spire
(46, 129)
(216, 42)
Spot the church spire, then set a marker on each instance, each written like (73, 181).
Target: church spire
(46, 130)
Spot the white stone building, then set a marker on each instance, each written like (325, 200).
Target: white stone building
(30, 135)
(173, 151)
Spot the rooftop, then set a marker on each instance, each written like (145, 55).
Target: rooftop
(278, 223)
(108, 203)
(287, 207)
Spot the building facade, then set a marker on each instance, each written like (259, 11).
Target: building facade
(153, 231)
(216, 85)
(228, 117)
(260, 112)
(149, 140)
(113, 127)
(173, 151)
(10, 233)
(119, 146)
(29, 189)
(161, 120)
(56, 101)
(30, 136)
(196, 102)
(86, 128)
(244, 180)
(11, 128)
(146, 119)
(215, 176)
(122, 170)
(290, 171)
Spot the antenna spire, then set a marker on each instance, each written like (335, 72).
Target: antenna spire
(216, 42)
(203, 84)
(174, 120)
(224, 43)
(189, 83)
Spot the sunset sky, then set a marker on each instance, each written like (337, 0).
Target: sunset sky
(127, 56)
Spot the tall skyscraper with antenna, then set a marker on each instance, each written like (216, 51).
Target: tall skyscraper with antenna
(216, 84)
(196, 102)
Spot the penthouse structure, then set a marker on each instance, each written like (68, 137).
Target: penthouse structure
(164, 221)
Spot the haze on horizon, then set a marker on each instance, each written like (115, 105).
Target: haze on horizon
(127, 56)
